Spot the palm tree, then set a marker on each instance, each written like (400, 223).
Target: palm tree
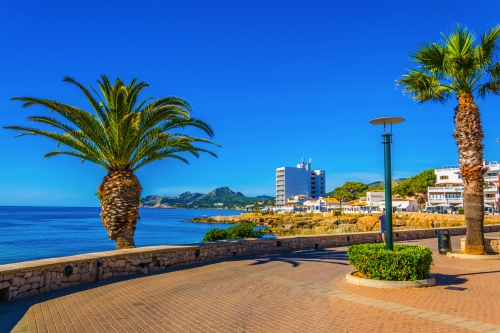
(122, 136)
(458, 66)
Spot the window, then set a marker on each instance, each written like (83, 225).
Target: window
(443, 177)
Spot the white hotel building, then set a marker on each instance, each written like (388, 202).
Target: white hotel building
(448, 189)
(301, 180)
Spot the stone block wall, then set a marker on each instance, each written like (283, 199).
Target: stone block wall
(30, 278)
(491, 244)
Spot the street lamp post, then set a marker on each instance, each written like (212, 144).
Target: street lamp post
(388, 174)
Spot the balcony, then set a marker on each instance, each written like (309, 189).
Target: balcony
(445, 200)
(491, 188)
(449, 168)
(446, 189)
(494, 165)
(459, 189)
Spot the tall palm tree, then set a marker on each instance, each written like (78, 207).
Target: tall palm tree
(458, 66)
(121, 136)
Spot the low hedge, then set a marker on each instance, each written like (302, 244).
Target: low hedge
(405, 262)
(243, 230)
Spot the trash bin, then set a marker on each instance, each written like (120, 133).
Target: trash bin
(444, 241)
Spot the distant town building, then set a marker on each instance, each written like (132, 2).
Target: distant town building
(374, 197)
(301, 180)
(218, 204)
(402, 205)
(447, 192)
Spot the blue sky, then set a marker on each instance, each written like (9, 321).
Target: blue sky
(277, 80)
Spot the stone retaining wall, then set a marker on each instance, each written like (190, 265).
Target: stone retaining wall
(29, 278)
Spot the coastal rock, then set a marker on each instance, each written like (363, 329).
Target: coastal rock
(368, 223)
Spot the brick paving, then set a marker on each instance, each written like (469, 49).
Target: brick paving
(300, 291)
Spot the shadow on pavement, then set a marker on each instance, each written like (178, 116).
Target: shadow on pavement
(445, 279)
(295, 258)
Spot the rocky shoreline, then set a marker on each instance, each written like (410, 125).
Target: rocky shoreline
(309, 224)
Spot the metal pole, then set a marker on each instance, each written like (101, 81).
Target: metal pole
(388, 190)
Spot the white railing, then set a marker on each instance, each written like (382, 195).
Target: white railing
(458, 189)
(491, 178)
(448, 167)
(491, 165)
(447, 189)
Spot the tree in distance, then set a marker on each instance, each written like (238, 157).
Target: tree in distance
(416, 185)
(457, 66)
(349, 191)
(122, 136)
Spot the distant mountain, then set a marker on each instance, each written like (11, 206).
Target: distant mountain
(223, 195)
(157, 201)
(266, 197)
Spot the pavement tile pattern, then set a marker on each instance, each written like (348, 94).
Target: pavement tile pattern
(300, 291)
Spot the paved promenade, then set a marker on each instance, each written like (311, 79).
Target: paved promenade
(288, 292)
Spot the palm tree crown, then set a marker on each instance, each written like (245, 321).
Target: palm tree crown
(124, 134)
(455, 65)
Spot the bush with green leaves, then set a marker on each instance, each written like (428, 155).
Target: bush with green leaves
(243, 230)
(405, 262)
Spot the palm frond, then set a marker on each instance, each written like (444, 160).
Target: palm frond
(488, 46)
(431, 57)
(423, 87)
(123, 133)
(97, 107)
(454, 66)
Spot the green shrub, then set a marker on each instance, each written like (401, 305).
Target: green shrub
(461, 211)
(337, 212)
(406, 262)
(215, 234)
(243, 230)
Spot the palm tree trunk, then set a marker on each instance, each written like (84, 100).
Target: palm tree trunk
(469, 137)
(119, 194)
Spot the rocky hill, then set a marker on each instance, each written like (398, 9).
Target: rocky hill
(223, 195)
(157, 201)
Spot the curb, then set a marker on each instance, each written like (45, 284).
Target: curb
(457, 255)
(389, 284)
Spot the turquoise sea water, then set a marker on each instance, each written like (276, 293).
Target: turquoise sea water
(29, 233)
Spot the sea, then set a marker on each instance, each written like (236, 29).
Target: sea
(30, 233)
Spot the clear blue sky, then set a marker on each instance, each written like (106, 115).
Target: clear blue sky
(277, 80)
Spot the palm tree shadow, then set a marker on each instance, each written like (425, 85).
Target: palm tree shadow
(296, 258)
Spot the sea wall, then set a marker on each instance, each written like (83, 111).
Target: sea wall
(23, 279)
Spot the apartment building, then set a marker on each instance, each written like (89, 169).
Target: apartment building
(447, 192)
(301, 180)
